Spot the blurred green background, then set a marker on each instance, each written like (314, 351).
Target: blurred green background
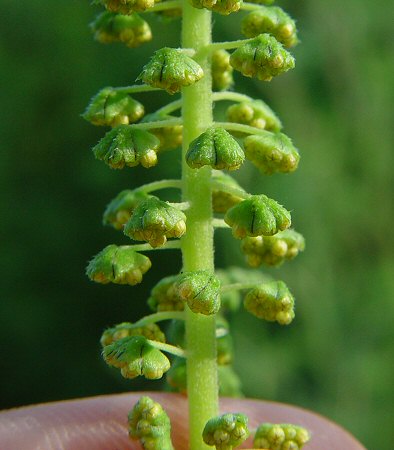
(337, 357)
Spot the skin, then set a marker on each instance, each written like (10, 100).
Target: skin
(100, 423)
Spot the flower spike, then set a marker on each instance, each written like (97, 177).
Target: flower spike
(272, 20)
(272, 302)
(111, 108)
(201, 291)
(262, 57)
(272, 250)
(216, 148)
(171, 69)
(256, 216)
(280, 437)
(255, 113)
(227, 431)
(154, 221)
(135, 356)
(125, 329)
(272, 153)
(111, 27)
(119, 265)
(149, 423)
(127, 146)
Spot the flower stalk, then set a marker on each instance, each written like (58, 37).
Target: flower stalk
(195, 300)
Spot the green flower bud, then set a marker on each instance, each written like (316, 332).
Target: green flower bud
(164, 296)
(272, 302)
(222, 200)
(224, 344)
(111, 108)
(119, 265)
(127, 146)
(125, 329)
(126, 6)
(272, 250)
(226, 431)
(111, 27)
(262, 57)
(224, 7)
(135, 356)
(272, 152)
(222, 72)
(216, 148)
(255, 113)
(176, 377)
(149, 423)
(272, 20)
(120, 209)
(201, 291)
(154, 221)
(257, 215)
(229, 382)
(171, 69)
(280, 437)
(169, 137)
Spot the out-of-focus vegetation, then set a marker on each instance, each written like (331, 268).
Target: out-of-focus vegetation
(337, 356)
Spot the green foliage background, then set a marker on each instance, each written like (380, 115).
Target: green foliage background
(337, 357)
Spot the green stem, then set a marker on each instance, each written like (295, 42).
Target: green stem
(183, 206)
(232, 96)
(170, 107)
(216, 96)
(158, 317)
(169, 245)
(162, 184)
(197, 243)
(157, 124)
(227, 45)
(247, 129)
(136, 88)
(176, 351)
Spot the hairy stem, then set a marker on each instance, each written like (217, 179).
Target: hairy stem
(176, 351)
(161, 184)
(197, 244)
(158, 317)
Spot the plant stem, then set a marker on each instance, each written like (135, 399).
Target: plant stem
(232, 126)
(158, 317)
(231, 96)
(176, 351)
(157, 124)
(227, 45)
(136, 88)
(197, 244)
(161, 184)
(169, 245)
